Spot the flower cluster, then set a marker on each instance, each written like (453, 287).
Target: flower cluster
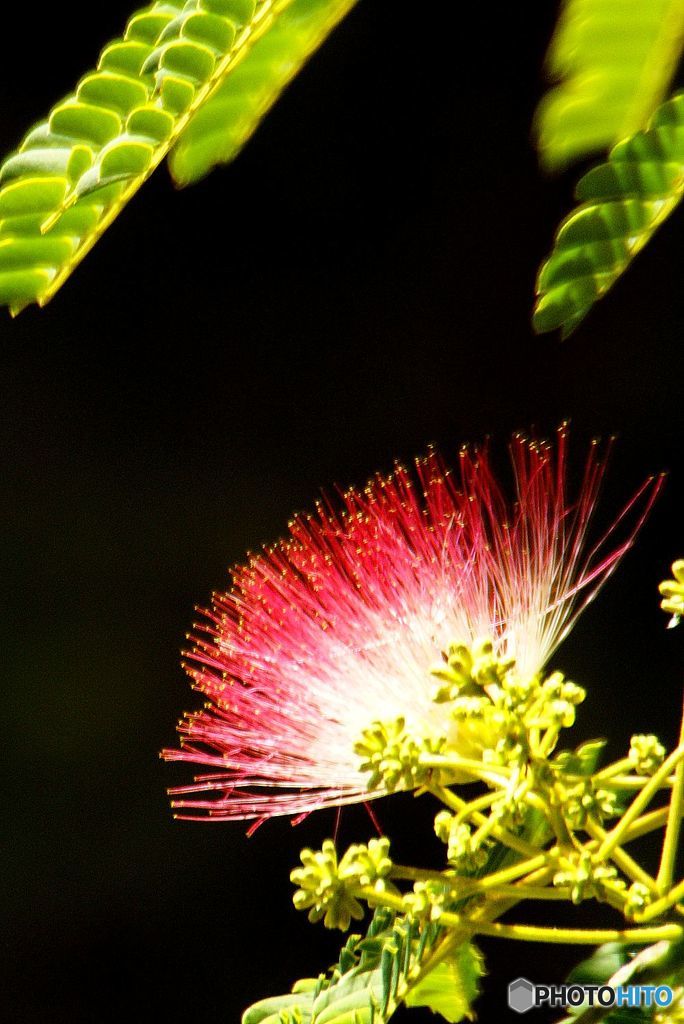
(549, 809)
(339, 626)
(401, 644)
(328, 889)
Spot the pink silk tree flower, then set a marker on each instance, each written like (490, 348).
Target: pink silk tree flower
(338, 626)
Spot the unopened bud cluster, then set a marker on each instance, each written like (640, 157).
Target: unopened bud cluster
(426, 901)
(492, 714)
(466, 850)
(496, 711)
(464, 669)
(646, 754)
(586, 877)
(672, 592)
(327, 889)
(391, 755)
(639, 896)
(580, 799)
(500, 729)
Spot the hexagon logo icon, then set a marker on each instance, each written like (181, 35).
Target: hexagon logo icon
(521, 995)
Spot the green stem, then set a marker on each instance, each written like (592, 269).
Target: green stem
(624, 764)
(464, 887)
(455, 803)
(507, 875)
(379, 899)
(633, 782)
(484, 831)
(404, 873)
(548, 741)
(640, 802)
(560, 828)
(577, 936)
(494, 776)
(621, 858)
(668, 855)
(479, 804)
(528, 892)
(537, 873)
(661, 905)
(647, 823)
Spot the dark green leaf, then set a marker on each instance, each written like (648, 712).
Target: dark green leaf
(625, 201)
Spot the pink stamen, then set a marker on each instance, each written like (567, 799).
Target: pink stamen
(338, 625)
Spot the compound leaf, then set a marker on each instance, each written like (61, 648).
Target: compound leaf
(74, 171)
(452, 987)
(614, 60)
(623, 202)
(224, 124)
(374, 975)
(295, 1006)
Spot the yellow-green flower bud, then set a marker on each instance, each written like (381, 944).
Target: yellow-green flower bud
(321, 890)
(366, 865)
(518, 692)
(392, 756)
(443, 822)
(511, 808)
(672, 592)
(606, 804)
(463, 852)
(580, 799)
(560, 713)
(646, 754)
(426, 901)
(464, 669)
(510, 749)
(487, 668)
(557, 687)
(586, 878)
(638, 898)
(470, 708)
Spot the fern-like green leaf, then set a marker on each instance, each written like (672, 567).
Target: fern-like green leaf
(452, 987)
(615, 60)
(623, 202)
(295, 1007)
(375, 974)
(74, 172)
(220, 129)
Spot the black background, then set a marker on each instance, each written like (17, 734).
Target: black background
(357, 285)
